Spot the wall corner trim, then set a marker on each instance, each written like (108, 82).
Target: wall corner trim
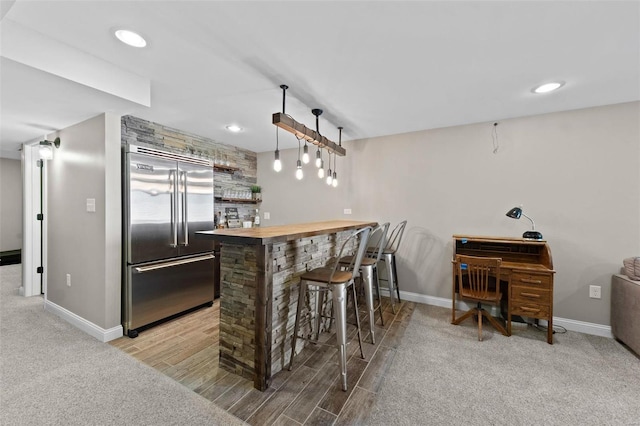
(569, 324)
(103, 335)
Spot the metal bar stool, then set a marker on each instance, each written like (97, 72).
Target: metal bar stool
(369, 273)
(337, 281)
(389, 257)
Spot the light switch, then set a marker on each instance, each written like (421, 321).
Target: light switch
(267, 215)
(91, 205)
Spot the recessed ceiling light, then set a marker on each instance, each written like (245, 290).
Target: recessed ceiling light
(131, 38)
(234, 128)
(548, 87)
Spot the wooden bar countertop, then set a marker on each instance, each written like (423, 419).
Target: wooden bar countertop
(282, 233)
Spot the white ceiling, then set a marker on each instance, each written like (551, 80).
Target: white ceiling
(375, 67)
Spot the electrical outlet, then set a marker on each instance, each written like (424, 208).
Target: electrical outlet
(68, 280)
(267, 215)
(347, 211)
(595, 292)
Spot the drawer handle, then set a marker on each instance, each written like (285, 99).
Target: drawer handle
(531, 295)
(525, 280)
(524, 308)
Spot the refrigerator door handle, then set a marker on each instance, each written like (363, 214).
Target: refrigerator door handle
(185, 220)
(173, 181)
(140, 269)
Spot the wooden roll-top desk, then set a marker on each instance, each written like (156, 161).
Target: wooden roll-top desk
(527, 266)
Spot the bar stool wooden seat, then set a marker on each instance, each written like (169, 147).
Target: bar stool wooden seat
(389, 258)
(369, 273)
(337, 280)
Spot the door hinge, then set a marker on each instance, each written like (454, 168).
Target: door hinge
(40, 270)
(39, 163)
(40, 216)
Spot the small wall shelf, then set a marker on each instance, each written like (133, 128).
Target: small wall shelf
(223, 168)
(237, 200)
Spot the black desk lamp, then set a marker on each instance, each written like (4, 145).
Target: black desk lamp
(515, 213)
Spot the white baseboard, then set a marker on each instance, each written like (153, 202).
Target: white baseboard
(569, 324)
(103, 335)
(584, 327)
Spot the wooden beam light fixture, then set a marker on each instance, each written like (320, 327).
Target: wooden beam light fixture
(300, 131)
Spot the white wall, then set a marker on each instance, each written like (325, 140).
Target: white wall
(10, 204)
(577, 174)
(83, 244)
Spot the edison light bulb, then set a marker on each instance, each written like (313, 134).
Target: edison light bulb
(320, 173)
(318, 159)
(329, 177)
(305, 156)
(335, 180)
(277, 164)
(299, 173)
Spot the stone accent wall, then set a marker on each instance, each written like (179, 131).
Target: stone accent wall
(146, 133)
(237, 310)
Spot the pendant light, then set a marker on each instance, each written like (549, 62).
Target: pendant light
(299, 174)
(334, 181)
(277, 164)
(321, 166)
(305, 153)
(301, 132)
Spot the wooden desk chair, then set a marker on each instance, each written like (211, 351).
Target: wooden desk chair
(478, 281)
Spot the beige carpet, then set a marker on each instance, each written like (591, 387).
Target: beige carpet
(442, 375)
(54, 374)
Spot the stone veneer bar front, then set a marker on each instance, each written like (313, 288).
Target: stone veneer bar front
(260, 269)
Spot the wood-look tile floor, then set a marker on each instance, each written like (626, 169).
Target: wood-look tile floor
(186, 349)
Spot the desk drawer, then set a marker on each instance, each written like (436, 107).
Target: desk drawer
(530, 294)
(527, 309)
(531, 279)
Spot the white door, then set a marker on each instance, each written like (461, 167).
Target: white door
(32, 236)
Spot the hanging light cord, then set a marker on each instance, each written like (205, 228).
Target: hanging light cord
(494, 137)
(335, 162)
(277, 142)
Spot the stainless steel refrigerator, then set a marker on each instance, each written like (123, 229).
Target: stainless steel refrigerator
(167, 271)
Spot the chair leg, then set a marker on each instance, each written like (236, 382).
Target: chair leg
(466, 315)
(355, 309)
(319, 303)
(495, 323)
(390, 283)
(301, 295)
(376, 280)
(339, 296)
(395, 277)
(367, 281)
